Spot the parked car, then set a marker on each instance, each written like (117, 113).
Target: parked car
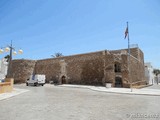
(36, 80)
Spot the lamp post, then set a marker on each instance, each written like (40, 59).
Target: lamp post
(11, 51)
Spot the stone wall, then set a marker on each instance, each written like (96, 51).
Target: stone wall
(125, 71)
(135, 52)
(109, 74)
(49, 67)
(95, 68)
(22, 69)
(137, 71)
(79, 69)
(85, 69)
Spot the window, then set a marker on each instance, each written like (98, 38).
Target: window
(117, 67)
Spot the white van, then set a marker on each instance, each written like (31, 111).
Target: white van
(35, 80)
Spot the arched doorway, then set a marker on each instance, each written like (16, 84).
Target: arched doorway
(118, 82)
(63, 79)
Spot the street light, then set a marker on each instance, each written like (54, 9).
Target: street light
(10, 49)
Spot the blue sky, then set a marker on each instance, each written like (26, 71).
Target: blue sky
(43, 27)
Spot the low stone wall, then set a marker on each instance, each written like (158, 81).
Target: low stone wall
(139, 83)
(6, 86)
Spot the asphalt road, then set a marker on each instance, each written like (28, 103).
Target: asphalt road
(60, 103)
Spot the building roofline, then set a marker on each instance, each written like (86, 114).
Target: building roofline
(75, 55)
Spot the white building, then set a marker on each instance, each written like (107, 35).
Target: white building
(149, 75)
(158, 77)
(3, 68)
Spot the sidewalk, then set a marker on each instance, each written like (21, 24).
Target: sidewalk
(15, 92)
(142, 91)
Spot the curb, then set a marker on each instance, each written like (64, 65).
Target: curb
(95, 89)
(15, 92)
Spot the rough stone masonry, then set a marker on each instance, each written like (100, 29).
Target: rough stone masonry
(96, 68)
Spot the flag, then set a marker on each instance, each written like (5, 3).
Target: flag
(126, 32)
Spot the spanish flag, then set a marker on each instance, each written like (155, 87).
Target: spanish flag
(126, 32)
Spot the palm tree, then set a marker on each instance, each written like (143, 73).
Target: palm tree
(156, 72)
(58, 54)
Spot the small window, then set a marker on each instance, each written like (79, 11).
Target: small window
(117, 67)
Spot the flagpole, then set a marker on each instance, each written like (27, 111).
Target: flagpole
(129, 52)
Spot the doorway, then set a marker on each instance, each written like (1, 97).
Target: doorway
(63, 79)
(118, 82)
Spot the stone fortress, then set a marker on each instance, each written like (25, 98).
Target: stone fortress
(96, 68)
